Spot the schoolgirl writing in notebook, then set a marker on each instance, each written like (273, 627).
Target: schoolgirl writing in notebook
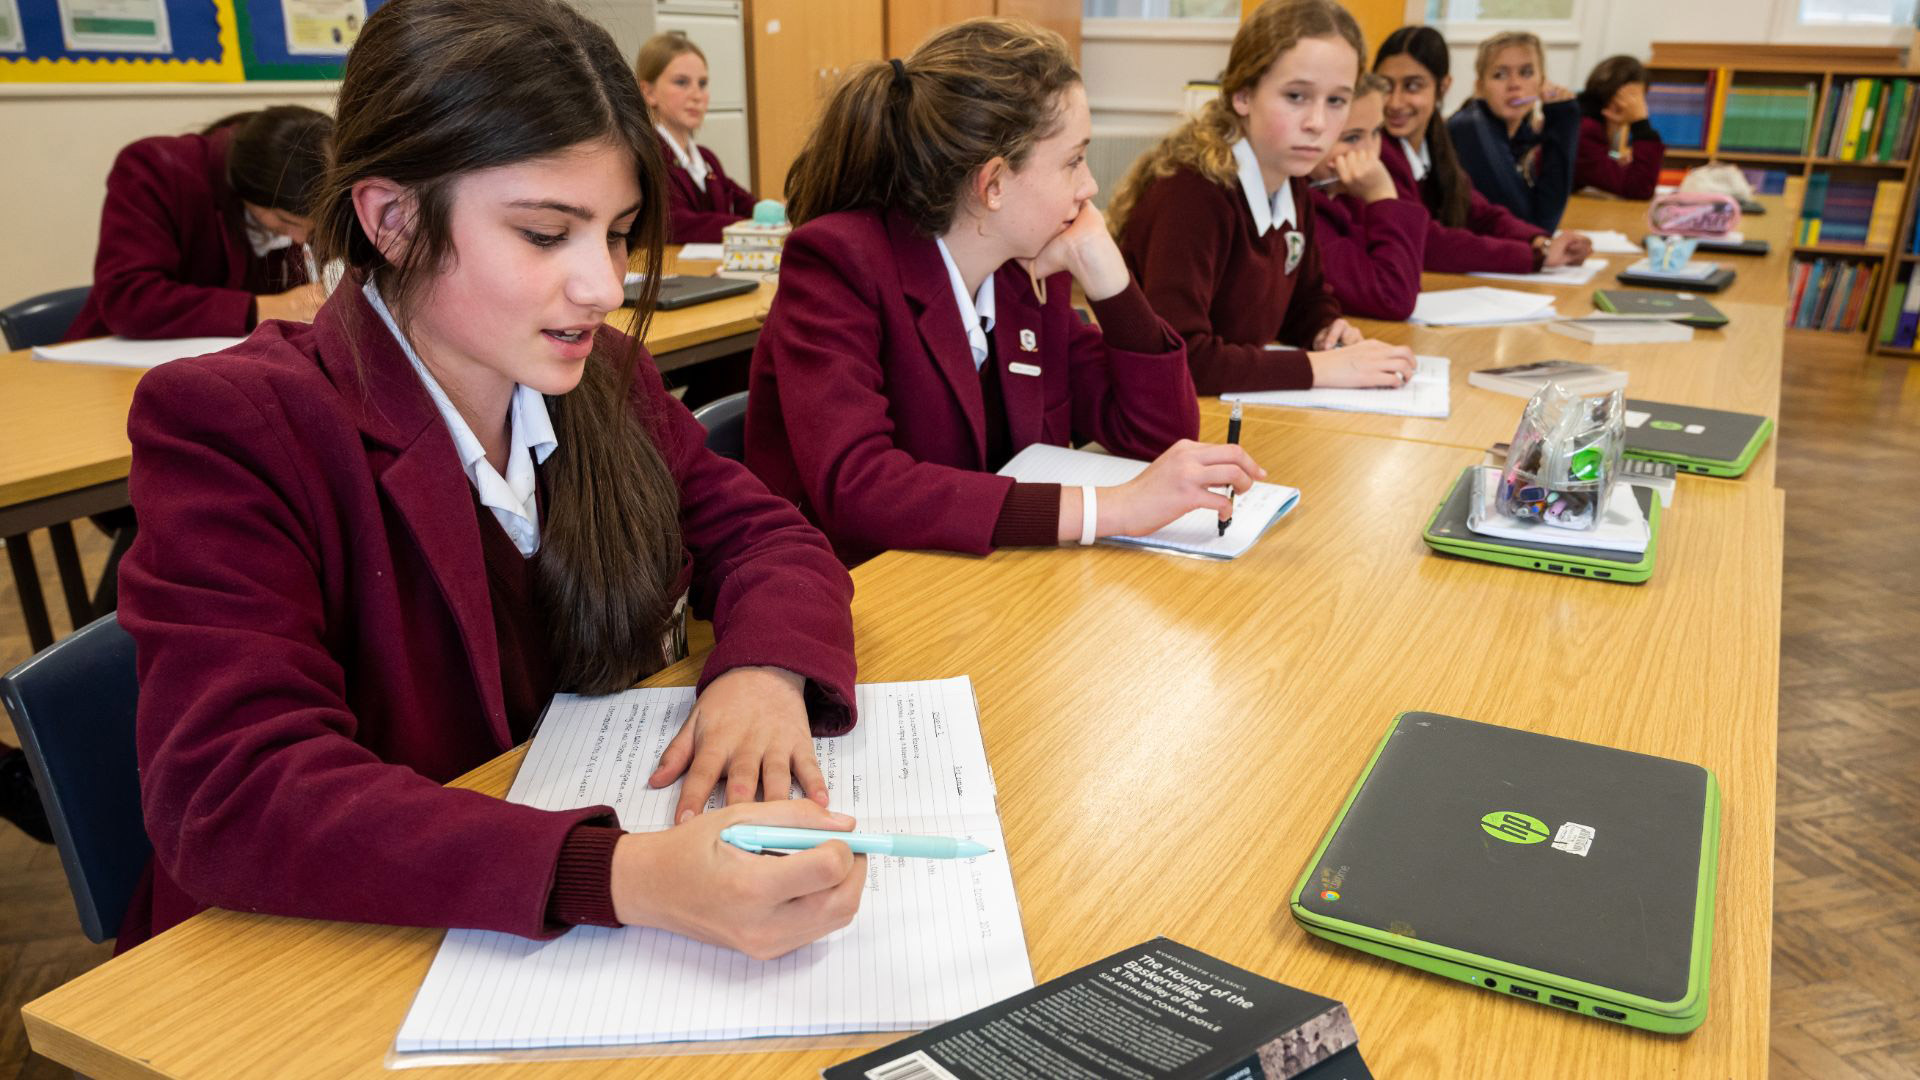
(673, 79)
(923, 333)
(1467, 233)
(203, 235)
(1371, 240)
(1518, 134)
(1620, 152)
(372, 547)
(1216, 223)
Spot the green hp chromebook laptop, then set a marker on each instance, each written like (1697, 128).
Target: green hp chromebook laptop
(1682, 307)
(1705, 441)
(1571, 875)
(1448, 534)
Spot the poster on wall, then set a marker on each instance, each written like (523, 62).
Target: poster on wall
(322, 27)
(115, 26)
(12, 40)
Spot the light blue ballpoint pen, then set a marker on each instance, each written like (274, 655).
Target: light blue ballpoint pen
(777, 838)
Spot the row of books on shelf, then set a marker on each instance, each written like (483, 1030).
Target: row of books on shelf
(1830, 294)
(1900, 320)
(1763, 181)
(1678, 111)
(1842, 210)
(1867, 120)
(1768, 119)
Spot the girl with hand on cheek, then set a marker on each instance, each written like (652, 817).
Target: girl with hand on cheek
(1371, 240)
(1620, 152)
(673, 79)
(1217, 225)
(1517, 135)
(923, 333)
(454, 494)
(1467, 233)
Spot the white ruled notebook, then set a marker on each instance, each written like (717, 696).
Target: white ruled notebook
(934, 939)
(1427, 394)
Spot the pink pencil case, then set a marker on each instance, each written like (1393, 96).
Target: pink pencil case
(1693, 213)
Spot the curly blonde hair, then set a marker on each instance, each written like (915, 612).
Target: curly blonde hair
(1204, 142)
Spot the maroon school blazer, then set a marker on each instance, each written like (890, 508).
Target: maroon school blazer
(1595, 166)
(1493, 238)
(309, 600)
(696, 215)
(1370, 252)
(867, 411)
(173, 259)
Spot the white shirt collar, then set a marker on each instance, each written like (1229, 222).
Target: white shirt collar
(531, 439)
(1420, 161)
(262, 239)
(973, 309)
(689, 158)
(1267, 214)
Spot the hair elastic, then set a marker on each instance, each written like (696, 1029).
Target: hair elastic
(900, 75)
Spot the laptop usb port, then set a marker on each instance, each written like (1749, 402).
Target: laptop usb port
(1526, 992)
(1611, 1014)
(1563, 1002)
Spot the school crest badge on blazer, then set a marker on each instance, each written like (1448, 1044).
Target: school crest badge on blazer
(1296, 247)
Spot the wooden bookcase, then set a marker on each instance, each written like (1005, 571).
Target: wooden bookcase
(1829, 69)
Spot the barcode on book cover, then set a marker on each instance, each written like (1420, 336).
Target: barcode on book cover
(915, 1066)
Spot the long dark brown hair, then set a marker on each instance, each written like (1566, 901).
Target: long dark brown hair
(907, 134)
(435, 89)
(1204, 143)
(278, 156)
(1608, 77)
(1428, 49)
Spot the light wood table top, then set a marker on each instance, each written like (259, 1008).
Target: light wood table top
(1758, 279)
(64, 426)
(1736, 368)
(1218, 715)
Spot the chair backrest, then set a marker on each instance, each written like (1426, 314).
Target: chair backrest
(73, 707)
(726, 422)
(43, 319)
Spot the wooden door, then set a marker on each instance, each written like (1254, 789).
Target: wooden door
(800, 50)
(910, 22)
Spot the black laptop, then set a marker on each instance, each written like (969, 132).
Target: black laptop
(686, 290)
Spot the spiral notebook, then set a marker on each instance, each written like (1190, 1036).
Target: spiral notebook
(934, 938)
(1195, 533)
(1425, 395)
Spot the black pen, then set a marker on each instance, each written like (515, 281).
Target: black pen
(1233, 439)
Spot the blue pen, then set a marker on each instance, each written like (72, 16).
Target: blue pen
(760, 838)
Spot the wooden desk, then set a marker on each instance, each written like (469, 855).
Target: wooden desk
(1757, 279)
(1225, 709)
(63, 427)
(1737, 368)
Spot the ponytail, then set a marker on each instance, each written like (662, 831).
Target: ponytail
(1428, 49)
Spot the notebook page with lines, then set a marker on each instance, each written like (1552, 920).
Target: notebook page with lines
(934, 939)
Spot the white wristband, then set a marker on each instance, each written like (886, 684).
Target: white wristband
(1089, 515)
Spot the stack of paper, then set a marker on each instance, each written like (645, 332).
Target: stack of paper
(1551, 275)
(1426, 394)
(707, 252)
(1611, 242)
(1622, 528)
(1194, 533)
(126, 352)
(934, 939)
(1481, 305)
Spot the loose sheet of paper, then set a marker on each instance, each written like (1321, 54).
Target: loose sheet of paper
(126, 352)
(935, 938)
(1611, 242)
(1622, 528)
(1551, 275)
(1694, 270)
(1480, 305)
(1426, 394)
(1194, 533)
(710, 252)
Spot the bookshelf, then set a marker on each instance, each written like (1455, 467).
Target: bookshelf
(1777, 109)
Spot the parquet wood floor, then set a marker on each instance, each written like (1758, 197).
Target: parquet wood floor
(1846, 965)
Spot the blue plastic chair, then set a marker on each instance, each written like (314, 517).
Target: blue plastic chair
(726, 422)
(43, 319)
(73, 707)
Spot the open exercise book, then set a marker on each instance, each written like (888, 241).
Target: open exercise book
(1195, 533)
(127, 352)
(1426, 394)
(934, 939)
(1550, 275)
